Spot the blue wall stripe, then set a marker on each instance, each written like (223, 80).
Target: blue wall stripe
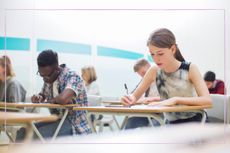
(23, 44)
(13, 43)
(64, 47)
(150, 59)
(2, 43)
(117, 53)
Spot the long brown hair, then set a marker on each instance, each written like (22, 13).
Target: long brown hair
(6, 64)
(164, 38)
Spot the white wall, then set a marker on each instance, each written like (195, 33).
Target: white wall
(199, 33)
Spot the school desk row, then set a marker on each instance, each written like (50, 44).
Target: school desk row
(139, 111)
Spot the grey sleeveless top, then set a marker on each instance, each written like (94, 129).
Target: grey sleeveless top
(176, 84)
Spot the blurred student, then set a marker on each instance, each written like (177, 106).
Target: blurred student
(178, 82)
(214, 86)
(89, 76)
(141, 66)
(61, 86)
(11, 89)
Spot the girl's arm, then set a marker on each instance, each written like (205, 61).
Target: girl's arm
(149, 77)
(200, 87)
(147, 100)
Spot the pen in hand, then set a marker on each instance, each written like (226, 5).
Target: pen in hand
(126, 88)
(127, 100)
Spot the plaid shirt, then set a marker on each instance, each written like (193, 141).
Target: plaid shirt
(70, 80)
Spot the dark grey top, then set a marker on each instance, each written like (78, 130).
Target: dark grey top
(12, 91)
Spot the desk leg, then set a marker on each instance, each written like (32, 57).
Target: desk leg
(37, 132)
(150, 121)
(29, 132)
(4, 128)
(156, 117)
(88, 114)
(33, 109)
(124, 122)
(60, 124)
(9, 136)
(203, 117)
(114, 118)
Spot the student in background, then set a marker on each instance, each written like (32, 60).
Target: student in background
(89, 76)
(178, 82)
(11, 89)
(61, 86)
(141, 66)
(214, 86)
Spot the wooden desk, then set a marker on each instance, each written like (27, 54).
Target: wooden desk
(108, 103)
(29, 104)
(140, 111)
(28, 119)
(24, 118)
(112, 103)
(15, 106)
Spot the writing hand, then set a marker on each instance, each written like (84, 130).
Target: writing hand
(37, 99)
(128, 100)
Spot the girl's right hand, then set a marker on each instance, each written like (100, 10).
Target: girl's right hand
(128, 100)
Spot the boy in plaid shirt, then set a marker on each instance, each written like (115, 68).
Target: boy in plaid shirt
(61, 86)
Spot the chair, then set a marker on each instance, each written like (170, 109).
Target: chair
(105, 121)
(219, 113)
(94, 100)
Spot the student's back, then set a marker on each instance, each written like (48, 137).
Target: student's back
(11, 89)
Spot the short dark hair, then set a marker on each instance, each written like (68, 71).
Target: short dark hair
(47, 58)
(210, 76)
